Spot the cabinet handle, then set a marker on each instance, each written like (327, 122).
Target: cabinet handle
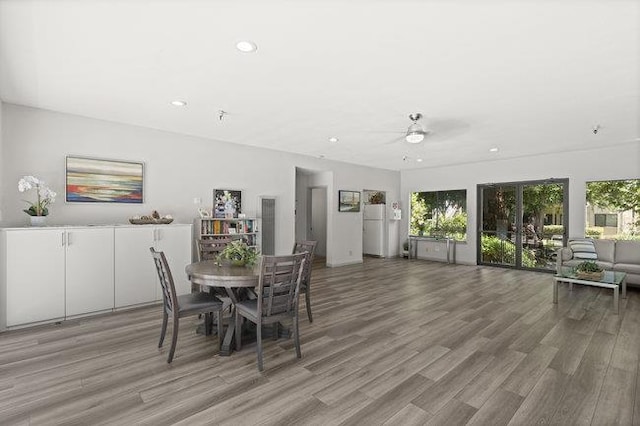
(68, 238)
(62, 241)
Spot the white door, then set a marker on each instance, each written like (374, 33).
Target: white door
(175, 242)
(136, 278)
(34, 275)
(318, 210)
(90, 270)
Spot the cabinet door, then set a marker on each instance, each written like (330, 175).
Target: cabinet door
(34, 275)
(135, 273)
(90, 270)
(175, 242)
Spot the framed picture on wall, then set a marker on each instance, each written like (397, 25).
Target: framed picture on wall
(227, 203)
(94, 180)
(348, 201)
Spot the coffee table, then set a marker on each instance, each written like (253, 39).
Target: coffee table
(610, 279)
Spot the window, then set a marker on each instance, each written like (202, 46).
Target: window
(603, 219)
(439, 214)
(613, 209)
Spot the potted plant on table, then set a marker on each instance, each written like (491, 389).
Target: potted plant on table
(238, 253)
(37, 210)
(589, 270)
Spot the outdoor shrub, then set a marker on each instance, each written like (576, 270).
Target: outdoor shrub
(594, 232)
(550, 230)
(495, 250)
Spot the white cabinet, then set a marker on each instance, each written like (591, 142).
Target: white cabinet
(136, 279)
(89, 270)
(34, 275)
(53, 273)
(175, 242)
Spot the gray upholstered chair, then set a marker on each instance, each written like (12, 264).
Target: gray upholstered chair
(277, 299)
(305, 285)
(184, 305)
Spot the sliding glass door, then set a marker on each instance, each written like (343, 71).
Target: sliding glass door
(522, 224)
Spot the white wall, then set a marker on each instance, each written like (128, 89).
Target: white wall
(178, 168)
(617, 162)
(1, 162)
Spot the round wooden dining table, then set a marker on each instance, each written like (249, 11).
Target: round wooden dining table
(233, 279)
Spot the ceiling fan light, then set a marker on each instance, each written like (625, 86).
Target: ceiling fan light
(415, 137)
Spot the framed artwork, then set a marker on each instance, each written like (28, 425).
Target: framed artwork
(348, 201)
(93, 180)
(226, 203)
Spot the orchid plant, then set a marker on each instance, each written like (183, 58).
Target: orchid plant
(45, 195)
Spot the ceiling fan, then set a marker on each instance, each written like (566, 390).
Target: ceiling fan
(416, 132)
(437, 129)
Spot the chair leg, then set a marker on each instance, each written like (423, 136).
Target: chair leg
(259, 347)
(208, 323)
(220, 336)
(307, 299)
(275, 330)
(296, 338)
(165, 319)
(174, 339)
(238, 326)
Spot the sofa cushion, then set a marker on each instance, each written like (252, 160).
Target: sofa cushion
(606, 249)
(583, 249)
(628, 252)
(630, 268)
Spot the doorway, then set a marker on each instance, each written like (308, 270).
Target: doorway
(318, 219)
(522, 224)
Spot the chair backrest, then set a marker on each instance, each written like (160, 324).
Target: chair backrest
(169, 297)
(310, 248)
(279, 284)
(209, 248)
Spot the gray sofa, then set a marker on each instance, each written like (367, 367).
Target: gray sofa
(614, 255)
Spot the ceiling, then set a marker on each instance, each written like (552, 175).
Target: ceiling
(526, 77)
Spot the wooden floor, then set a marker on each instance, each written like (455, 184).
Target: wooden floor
(393, 342)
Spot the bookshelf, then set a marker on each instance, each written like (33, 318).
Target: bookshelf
(238, 229)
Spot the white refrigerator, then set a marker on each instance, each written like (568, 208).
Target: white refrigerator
(374, 216)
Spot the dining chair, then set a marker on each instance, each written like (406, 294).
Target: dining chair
(210, 247)
(305, 285)
(277, 299)
(184, 305)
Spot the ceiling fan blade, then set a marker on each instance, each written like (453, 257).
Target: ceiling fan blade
(399, 139)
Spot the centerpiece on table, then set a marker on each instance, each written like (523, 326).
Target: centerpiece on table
(238, 253)
(37, 210)
(589, 270)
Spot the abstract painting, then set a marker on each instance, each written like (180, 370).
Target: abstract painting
(91, 180)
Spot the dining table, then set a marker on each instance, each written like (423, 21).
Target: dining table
(237, 281)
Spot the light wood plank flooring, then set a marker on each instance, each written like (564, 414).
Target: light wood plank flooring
(393, 342)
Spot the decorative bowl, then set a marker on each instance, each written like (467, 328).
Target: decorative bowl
(591, 276)
(150, 221)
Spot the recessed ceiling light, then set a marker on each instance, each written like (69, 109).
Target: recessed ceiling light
(419, 160)
(246, 46)
(179, 103)
(333, 139)
(493, 149)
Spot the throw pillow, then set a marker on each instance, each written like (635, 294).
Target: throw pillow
(583, 249)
